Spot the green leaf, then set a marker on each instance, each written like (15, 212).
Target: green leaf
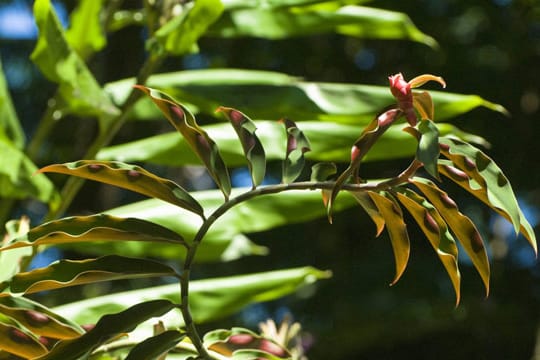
(253, 149)
(322, 171)
(62, 65)
(86, 34)
(199, 141)
(263, 94)
(397, 230)
(297, 145)
(436, 231)
(94, 228)
(485, 180)
(17, 179)
(155, 346)
(179, 36)
(210, 299)
(129, 177)
(428, 147)
(10, 263)
(20, 342)
(107, 328)
(462, 227)
(284, 22)
(9, 123)
(65, 273)
(330, 142)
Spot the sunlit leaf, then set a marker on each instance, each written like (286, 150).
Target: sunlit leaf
(85, 34)
(397, 230)
(210, 299)
(297, 145)
(284, 22)
(9, 122)
(199, 141)
(423, 103)
(20, 342)
(253, 149)
(462, 227)
(436, 231)
(180, 34)
(65, 273)
(17, 179)
(129, 177)
(10, 263)
(428, 147)
(485, 180)
(155, 346)
(265, 95)
(62, 65)
(364, 199)
(108, 327)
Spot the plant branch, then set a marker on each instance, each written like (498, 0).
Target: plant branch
(191, 329)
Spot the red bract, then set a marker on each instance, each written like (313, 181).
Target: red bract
(401, 90)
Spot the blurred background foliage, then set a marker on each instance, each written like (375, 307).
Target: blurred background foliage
(487, 47)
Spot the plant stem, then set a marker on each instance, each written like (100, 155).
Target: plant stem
(74, 184)
(191, 329)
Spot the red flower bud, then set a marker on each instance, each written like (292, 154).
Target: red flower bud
(401, 90)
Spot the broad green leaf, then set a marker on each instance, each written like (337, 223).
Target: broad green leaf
(108, 327)
(486, 181)
(10, 263)
(20, 342)
(155, 346)
(265, 95)
(284, 22)
(462, 227)
(129, 177)
(86, 34)
(297, 145)
(428, 147)
(211, 299)
(65, 273)
(62, 65)
(397, 230)
(364, 199)
(330, 142)
(17, 179)
(436, 231)
(9, 122)
(253, 149)
(180, 34)
(93, 228)
(199, 141)
(39, 323)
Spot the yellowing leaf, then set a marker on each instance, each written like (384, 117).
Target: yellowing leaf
(19, 342)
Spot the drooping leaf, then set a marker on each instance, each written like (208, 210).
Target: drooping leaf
(360, 148)
(39, 323)
(330, 142)
(364, 199)
(199, 141)
(107, 328)
(9, 123)
(211, 299)
(252, 146)
(263, 94)
(62, 65)
(284, 22)
(155, 346)
(17, 179)
(65, 273)
(428, 147)
(20, 342)
(436, 231)
(129, 177)
(485, 180)
(397, 230)
(297, 145)
(86, 34)
(179, 35)
(462, 227)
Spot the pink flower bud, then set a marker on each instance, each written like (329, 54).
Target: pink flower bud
(401, 90)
